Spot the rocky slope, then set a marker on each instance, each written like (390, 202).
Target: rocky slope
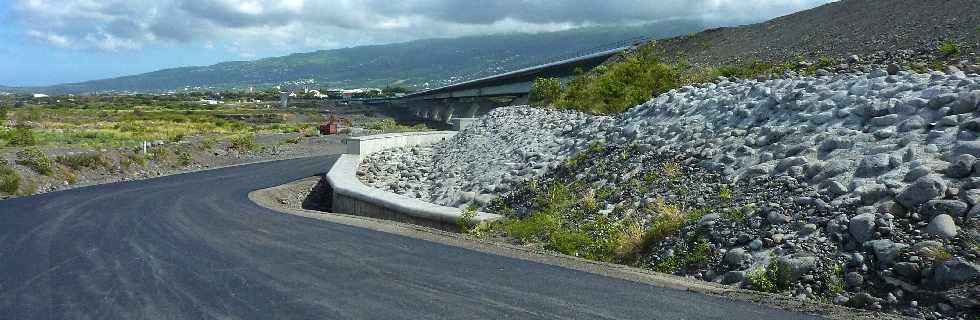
(861, 187)
(898, 31)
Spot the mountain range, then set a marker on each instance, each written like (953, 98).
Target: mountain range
(415, 64)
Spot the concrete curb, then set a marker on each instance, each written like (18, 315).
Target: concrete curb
(350, 195)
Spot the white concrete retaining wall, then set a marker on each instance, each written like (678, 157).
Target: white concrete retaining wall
(366, 145)
(350, 195)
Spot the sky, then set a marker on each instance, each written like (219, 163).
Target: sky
(44, 42)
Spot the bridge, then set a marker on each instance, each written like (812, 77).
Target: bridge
(472, 98)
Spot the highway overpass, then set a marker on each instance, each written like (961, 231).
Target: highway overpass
(472, 98)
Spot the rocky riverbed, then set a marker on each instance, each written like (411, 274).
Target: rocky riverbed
(860, 189)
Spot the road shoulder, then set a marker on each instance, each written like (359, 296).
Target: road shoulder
(287, 199)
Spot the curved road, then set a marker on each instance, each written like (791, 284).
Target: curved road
(193, 246)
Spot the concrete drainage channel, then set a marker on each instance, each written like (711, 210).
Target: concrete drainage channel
(347, 194)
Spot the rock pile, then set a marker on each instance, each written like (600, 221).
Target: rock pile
(863, 185)
(507, 146)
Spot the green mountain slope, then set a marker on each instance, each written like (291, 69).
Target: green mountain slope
(416, 64)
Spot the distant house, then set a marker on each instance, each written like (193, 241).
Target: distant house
(41, 95)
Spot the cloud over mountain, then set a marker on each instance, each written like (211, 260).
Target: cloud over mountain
(236, 25)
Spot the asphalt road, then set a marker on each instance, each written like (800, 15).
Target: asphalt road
(193, 246)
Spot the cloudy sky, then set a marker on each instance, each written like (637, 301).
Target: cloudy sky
(55, 41)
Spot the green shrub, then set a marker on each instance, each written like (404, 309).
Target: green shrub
(686, 256)
(536, 226)
(177, 137)
(132, 158)
(950, 48)
(725, 193)
(310, 132)
(184, 158)
(465, 221)
(21, 136)
(35, 159)
(569, 241)
(545, 91)
(244, 142)
(767, 279)
(620, 86)
(159, 154)
(835, 280)
(668, 221)
(741, 213)
(9, 179)
(78, 161)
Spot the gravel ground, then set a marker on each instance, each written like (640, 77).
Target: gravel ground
(858, 178)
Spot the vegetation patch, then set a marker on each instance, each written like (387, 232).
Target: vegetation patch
(244, 142)
(950, 48)
(84, 160)
(36, 160)
(9, 179)
(21, 136)
(767, 279)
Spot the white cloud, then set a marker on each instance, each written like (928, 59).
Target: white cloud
(295, 25)
(50, 38)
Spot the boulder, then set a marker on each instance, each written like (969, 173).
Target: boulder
(862, 227)
(776, 218)
(922, 190)
(732, 277)
(923, 248)
(736, 257)
(853, 279)
(954, 272)
(954, 208)
(886, 251)
(962, 167)
(968, 147)
(793, 267)
(912, 123)
(970, 196)
(966, 102)
(908, 270)
(943, 226)
(875, 165)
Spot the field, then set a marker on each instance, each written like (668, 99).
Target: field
(55, 143)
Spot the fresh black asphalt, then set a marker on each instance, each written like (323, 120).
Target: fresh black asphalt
(192, 246)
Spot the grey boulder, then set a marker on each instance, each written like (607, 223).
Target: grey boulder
(885, 251)
(942, 226)
(953, 272)
(862, 227)
(923, 189)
